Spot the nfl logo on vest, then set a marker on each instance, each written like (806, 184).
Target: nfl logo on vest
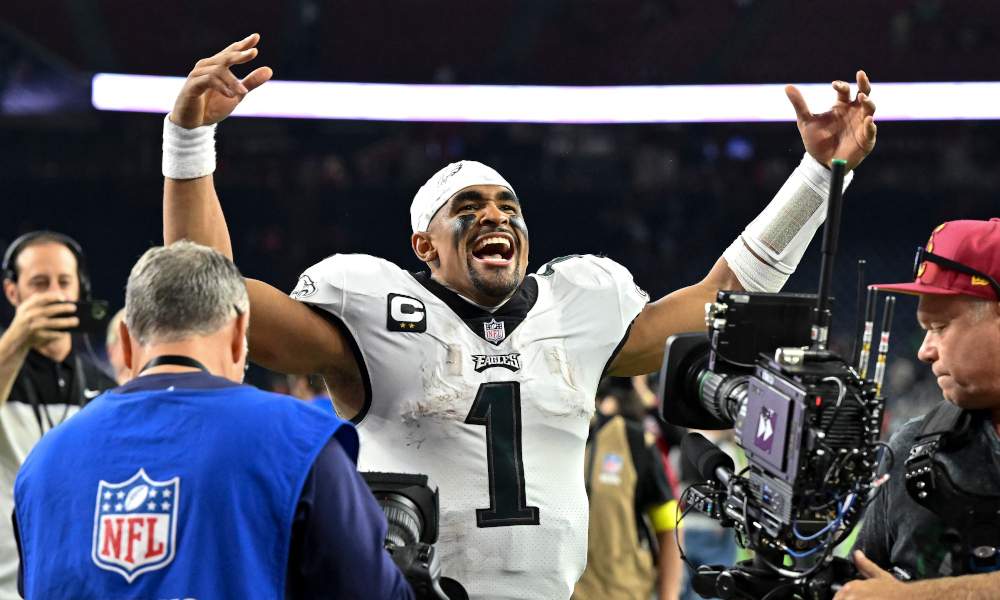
(135, 527)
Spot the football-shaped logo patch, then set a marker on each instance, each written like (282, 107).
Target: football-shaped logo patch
(136, 496)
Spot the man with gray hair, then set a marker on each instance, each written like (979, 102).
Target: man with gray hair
(184, 483)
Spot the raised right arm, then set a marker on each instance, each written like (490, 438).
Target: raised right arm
(191, 211)
(191, 208)
(285, 335)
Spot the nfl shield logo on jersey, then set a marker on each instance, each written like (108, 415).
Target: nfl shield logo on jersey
(135, 525)
(494, 331)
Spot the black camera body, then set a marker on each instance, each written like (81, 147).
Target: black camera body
(411, 505)
(811, 451)
(807, 422)
(421, 567)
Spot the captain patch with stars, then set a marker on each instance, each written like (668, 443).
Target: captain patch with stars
(406, 314)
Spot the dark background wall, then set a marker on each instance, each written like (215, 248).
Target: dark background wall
(664, 200)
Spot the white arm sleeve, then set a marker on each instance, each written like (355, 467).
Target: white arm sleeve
(781, 234)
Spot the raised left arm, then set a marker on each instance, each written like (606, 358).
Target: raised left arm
(769, 249)
(677, 312)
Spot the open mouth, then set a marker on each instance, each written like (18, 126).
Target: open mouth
(494, 249)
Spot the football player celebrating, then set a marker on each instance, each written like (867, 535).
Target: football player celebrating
(476, 374)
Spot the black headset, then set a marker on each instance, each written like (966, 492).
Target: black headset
(15, 248)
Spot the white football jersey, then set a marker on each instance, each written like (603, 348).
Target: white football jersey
(494, 407)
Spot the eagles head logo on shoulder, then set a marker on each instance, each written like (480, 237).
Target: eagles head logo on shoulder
(304, 288)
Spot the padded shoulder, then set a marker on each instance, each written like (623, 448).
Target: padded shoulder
(903, 439)
(595, 286)
(326, 283)
(588, 270)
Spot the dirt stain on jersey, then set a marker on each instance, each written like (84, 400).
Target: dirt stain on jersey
(558, 364)
(442, 406)
(442, 399)
(453, 363)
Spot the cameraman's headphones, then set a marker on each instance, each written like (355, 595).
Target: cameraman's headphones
(15, 248)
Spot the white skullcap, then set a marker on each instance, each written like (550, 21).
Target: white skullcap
(446, 183)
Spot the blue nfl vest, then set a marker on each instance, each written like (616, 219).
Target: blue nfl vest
(178, 493)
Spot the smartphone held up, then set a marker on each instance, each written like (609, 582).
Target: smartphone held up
(92, 315)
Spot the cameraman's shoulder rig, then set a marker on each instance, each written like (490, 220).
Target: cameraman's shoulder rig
(971, 521)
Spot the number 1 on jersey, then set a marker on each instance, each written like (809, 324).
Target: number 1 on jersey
(498, 408)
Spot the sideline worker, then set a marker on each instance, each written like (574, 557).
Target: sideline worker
(936, 517)
(183, 483)
(631, 551)
(43, 380)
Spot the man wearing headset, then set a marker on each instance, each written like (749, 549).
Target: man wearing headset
(43, 381)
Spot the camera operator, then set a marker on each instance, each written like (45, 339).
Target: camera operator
(205, 488)
(956, 276)
(43, 381)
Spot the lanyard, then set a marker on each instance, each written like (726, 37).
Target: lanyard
(76, 391)
(175, 360)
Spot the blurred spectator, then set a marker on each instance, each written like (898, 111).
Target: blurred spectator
(43, 380)
(232, 492)
(114, 349)
(312, 389)
(631, 550)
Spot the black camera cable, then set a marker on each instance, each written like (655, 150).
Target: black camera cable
(891, 456)
(735, 363)
(679, 516)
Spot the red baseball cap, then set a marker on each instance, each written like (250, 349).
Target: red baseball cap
(973, 245)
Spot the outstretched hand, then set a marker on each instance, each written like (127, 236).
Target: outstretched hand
(212, 92)
(846, 131)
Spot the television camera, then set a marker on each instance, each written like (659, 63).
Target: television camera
(807, 419)
(411, 505)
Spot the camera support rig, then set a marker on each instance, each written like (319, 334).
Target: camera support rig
(807, 421)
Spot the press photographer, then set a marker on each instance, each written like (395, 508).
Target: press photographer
(183, 483)
(937, 516)
(43, 379)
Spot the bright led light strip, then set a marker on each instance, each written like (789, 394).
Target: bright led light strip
(549, 104)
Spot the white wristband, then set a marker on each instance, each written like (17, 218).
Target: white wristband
(188, 153)
(754, 275)
(781, 233)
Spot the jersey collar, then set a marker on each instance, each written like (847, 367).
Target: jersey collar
(510, 314)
